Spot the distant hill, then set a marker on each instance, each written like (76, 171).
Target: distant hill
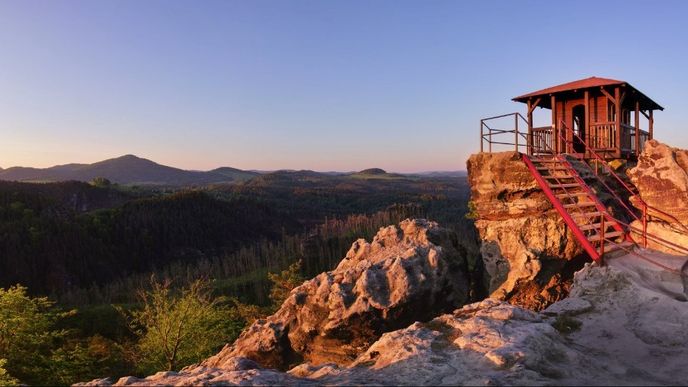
(234, 173)
(443, 174)
(128, 169)
(377, 173)
(373, 171)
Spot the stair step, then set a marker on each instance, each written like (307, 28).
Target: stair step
(612, 247)
(552, 168)
(550, 161)
(607, 235)
(595, 226)
(571, 195)
(584, 204)
(559, 177)
(586, 214)
(567, 185)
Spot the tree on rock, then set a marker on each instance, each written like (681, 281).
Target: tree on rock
(179, 327)
(284, 282)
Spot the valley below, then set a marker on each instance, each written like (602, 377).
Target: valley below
(93, 247)
(369, 278)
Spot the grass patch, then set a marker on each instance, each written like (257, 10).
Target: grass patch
(566, 324)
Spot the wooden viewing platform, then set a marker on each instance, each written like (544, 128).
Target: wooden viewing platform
(589, 123)
(598, 113)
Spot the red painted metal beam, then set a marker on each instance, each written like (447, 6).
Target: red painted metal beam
(582, 239)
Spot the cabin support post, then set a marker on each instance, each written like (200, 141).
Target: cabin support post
(617, 122)
(555, 133)
(531, 107)
(530, 128)
(637, 128)
(586, 124)
(516, 132)
(651, 123)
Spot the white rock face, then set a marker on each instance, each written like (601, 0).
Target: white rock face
(633, 329)
(407, 273)
(661, 177)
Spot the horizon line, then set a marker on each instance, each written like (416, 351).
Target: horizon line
(258, 170)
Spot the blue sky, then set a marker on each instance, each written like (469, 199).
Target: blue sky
(323, 85)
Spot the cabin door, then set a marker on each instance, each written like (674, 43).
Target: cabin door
(579, 126)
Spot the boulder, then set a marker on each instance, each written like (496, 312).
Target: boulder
(661, 177)
(408, 273)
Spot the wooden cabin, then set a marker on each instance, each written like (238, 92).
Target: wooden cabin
(600, 113)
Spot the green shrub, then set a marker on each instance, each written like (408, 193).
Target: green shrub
(472, 211)
(284, 282)
(27, 334)
(178, 328)
(5, 378)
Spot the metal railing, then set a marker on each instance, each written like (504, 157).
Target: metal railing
(645, 209)
(605, 140)
(541, 141)
(567, 215)
(595, 254)
(488, 132)
(537, 142)
(601, 136)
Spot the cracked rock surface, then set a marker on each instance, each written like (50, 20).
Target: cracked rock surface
(622, 324)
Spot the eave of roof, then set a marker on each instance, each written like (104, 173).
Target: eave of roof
(581, 84)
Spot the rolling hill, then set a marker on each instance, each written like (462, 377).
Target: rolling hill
(128, 169)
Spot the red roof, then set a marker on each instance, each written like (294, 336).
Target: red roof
(580, 84)
(586, 83)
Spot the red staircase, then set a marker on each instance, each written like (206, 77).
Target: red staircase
(594, 228)
(598, 232)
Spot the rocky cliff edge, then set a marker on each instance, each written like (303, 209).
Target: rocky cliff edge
(616, 327)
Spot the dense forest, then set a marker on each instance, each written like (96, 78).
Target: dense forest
(95, 249)
(50, 247)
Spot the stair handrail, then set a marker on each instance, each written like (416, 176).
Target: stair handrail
(643, 232)
(582, 238)
(558, 135)
(597, 157)
(644, 204)
(577, 232)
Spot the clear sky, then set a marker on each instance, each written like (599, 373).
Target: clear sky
(323, 85)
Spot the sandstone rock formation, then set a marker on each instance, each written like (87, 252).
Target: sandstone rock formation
(408, 273)
(621, 324)
(525, 243)
(661, 177)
